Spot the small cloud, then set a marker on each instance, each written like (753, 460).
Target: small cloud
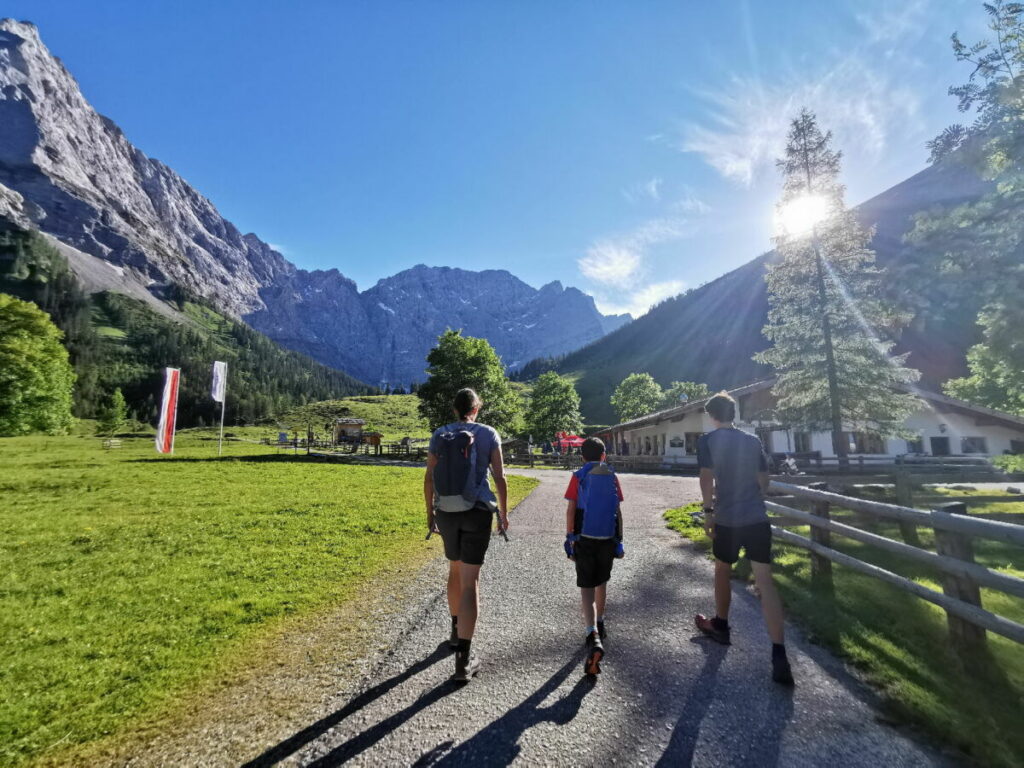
(639, 301)
(690, 203)
(279, 248)
(644, 191)
(610, 262)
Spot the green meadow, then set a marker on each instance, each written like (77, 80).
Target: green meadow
(900, 642)
(129, 577)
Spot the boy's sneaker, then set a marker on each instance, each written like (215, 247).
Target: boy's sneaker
(465, 667)
(595, 652)
(713, 628)
(600, 631)
(781, 673)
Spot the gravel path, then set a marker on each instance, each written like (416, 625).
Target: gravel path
(664, 697)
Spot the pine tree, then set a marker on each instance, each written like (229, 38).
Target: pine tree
(826, 312)
(113, 415)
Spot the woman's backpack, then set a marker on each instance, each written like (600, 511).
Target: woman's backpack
(455, 475)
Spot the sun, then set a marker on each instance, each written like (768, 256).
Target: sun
(797, 217)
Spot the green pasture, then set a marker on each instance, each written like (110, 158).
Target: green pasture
(129, 578)
(900, 642)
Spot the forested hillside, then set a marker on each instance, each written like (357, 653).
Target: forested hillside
(116, 341)
(709, 334)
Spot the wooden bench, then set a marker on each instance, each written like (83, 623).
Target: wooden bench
(111, 443)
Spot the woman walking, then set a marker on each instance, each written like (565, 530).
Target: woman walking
(460, 505)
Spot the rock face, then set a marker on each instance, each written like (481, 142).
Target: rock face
(80, 180)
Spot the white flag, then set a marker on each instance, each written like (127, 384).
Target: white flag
(220, 381)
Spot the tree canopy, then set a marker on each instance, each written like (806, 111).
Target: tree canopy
(36, 379)
(463, 361)
(830, 326)
(679, 392)
(979, 243)
(554, 407)
(637, 395)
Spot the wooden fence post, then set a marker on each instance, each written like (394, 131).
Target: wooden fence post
(965, 636)
(904, 486)
(821, 567)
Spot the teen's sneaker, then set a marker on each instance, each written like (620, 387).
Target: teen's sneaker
(465, 667)
(781, 673)
(712, 629)
(595, 652)
(600, 631)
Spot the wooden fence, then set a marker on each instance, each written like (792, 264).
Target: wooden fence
(962, 577)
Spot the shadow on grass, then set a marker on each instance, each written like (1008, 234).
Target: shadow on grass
(256, 458)
(367, 738)
(497, 744)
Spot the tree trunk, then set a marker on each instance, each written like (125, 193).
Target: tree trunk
(840, 446)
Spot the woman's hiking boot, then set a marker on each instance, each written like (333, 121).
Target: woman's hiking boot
(465, 667)
(715, 628)
(595, 652)
(781, 672)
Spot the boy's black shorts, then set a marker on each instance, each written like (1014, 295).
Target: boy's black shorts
(594, 561)
(466, 535)
(755, 539)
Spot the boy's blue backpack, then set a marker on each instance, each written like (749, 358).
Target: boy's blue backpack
(455, 483)
(599, 500)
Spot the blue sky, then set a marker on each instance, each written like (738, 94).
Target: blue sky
(625, 148)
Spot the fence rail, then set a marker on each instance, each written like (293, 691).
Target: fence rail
(962, 577)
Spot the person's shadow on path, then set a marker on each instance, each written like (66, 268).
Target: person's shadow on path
(358, 743)
(765, 740)
(497, 744)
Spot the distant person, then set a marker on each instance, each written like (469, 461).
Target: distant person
(460, 505)
(733, 481)
(593, 539)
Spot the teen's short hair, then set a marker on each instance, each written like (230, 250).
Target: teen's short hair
(465, 401)
(592, 449)
(721, 407)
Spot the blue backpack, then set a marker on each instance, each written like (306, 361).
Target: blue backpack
(599, 500)
(455, 478)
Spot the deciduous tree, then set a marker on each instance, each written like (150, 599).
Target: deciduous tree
(692, 390)
(554, 407)
(637, 395)
(462, 361)
(36, 379)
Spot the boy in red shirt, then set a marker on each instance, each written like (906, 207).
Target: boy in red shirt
(593, 539)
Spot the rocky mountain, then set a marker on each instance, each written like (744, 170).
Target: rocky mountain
(81, 181)
(709, 334)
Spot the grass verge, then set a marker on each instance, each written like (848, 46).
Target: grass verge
(129, 577)
(900, 643)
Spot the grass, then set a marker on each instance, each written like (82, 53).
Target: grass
(900, 642)
(130, 578)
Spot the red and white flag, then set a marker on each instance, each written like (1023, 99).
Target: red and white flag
(168, 411)
(220, 381)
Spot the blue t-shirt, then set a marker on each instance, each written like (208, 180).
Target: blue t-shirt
(736, 458)
(485, 440)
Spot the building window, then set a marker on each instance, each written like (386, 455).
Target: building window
(973, 445)
(916, 445)
(1017, 446)
(866, 442)
(691, 442)
(802, 442)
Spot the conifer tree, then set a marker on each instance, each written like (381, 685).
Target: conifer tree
(113, 415)
(828, 322)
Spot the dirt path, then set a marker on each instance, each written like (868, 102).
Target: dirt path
(665, 697)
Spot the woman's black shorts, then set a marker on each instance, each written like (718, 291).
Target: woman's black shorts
(755, 539)
(466, 534)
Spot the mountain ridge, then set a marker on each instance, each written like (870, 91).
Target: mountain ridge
(85, 184)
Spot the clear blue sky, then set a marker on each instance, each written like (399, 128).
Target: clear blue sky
(636, 138)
